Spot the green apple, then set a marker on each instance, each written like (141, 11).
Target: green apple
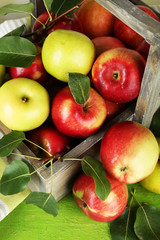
(151, 182)
(65, 51)
(2, 73)
(24, 104)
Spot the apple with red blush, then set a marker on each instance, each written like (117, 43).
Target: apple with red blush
(35, 72)
(117, 74)
(129, 151)
(127, 34)
(78, 120)
(105, 43)
(49, 138)
(95, 19)
(113, 109)
(68, 23)
(64, 22)
(96, 209)
(43, 18)
(143, 48)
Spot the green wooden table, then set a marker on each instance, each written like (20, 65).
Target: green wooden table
(27, 222)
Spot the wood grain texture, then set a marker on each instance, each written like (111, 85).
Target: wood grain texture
(28, 222)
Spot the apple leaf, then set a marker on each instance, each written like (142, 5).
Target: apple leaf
(16, 32)
(45, 201)
(10, 141)
(17, 8)
(15, 178)
(61, 6)
(94, 169)
(79, 85)
(147, 223)
(143, 195)
(48, 4)
(16, 51)
(123, 227)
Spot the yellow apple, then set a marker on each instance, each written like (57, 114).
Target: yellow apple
(152, 182)
(24, 104)
(2, 73)
(67, 51)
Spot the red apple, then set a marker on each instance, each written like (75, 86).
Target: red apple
(105, 43)
(42, 18)
(77, 120)
(127, 34)
(95, 19)
(35, 72)
(65, 22)
(129, 152)
(68, 23)
(117, 74)
(96, 209)
(49, 138)
(113, 109)
(41, 32)
(143, 48)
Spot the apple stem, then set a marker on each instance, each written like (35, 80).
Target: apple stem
(23, 155)
(72, 159)
(50, 17)
(38, 20)
(41, 166)
(116, 75)
(39, 147)
(51, 22)
(51, 178)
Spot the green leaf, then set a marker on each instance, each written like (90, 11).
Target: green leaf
(48, 4)
(61, 6)
(123, 226)
(94, 169)
(147, 224)
(10, 141)
(16, 51)
(16, 32)
(79, 85)
(15, 178)
(45, 201)
(17, 8)
(143, 195)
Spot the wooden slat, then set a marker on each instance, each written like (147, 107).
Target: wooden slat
(149, 99)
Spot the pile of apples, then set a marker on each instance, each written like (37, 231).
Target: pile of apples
(38, 100)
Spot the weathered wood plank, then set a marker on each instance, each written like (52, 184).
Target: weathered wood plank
(149, 99)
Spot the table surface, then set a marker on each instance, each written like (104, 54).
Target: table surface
(27, 222)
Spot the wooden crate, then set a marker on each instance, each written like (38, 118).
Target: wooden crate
(142, 111)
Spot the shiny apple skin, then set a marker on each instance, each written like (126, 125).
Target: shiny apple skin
(68, 23)
(129, 152)
(127, 34)
(35, 72)
(113, 109)
(66, 51)
(143, 48)
(117, 74)
(96, 209)
(72, 120)
(105, 43)
(95, 19)
(24, 104)
(65, 22)
(49, 138)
